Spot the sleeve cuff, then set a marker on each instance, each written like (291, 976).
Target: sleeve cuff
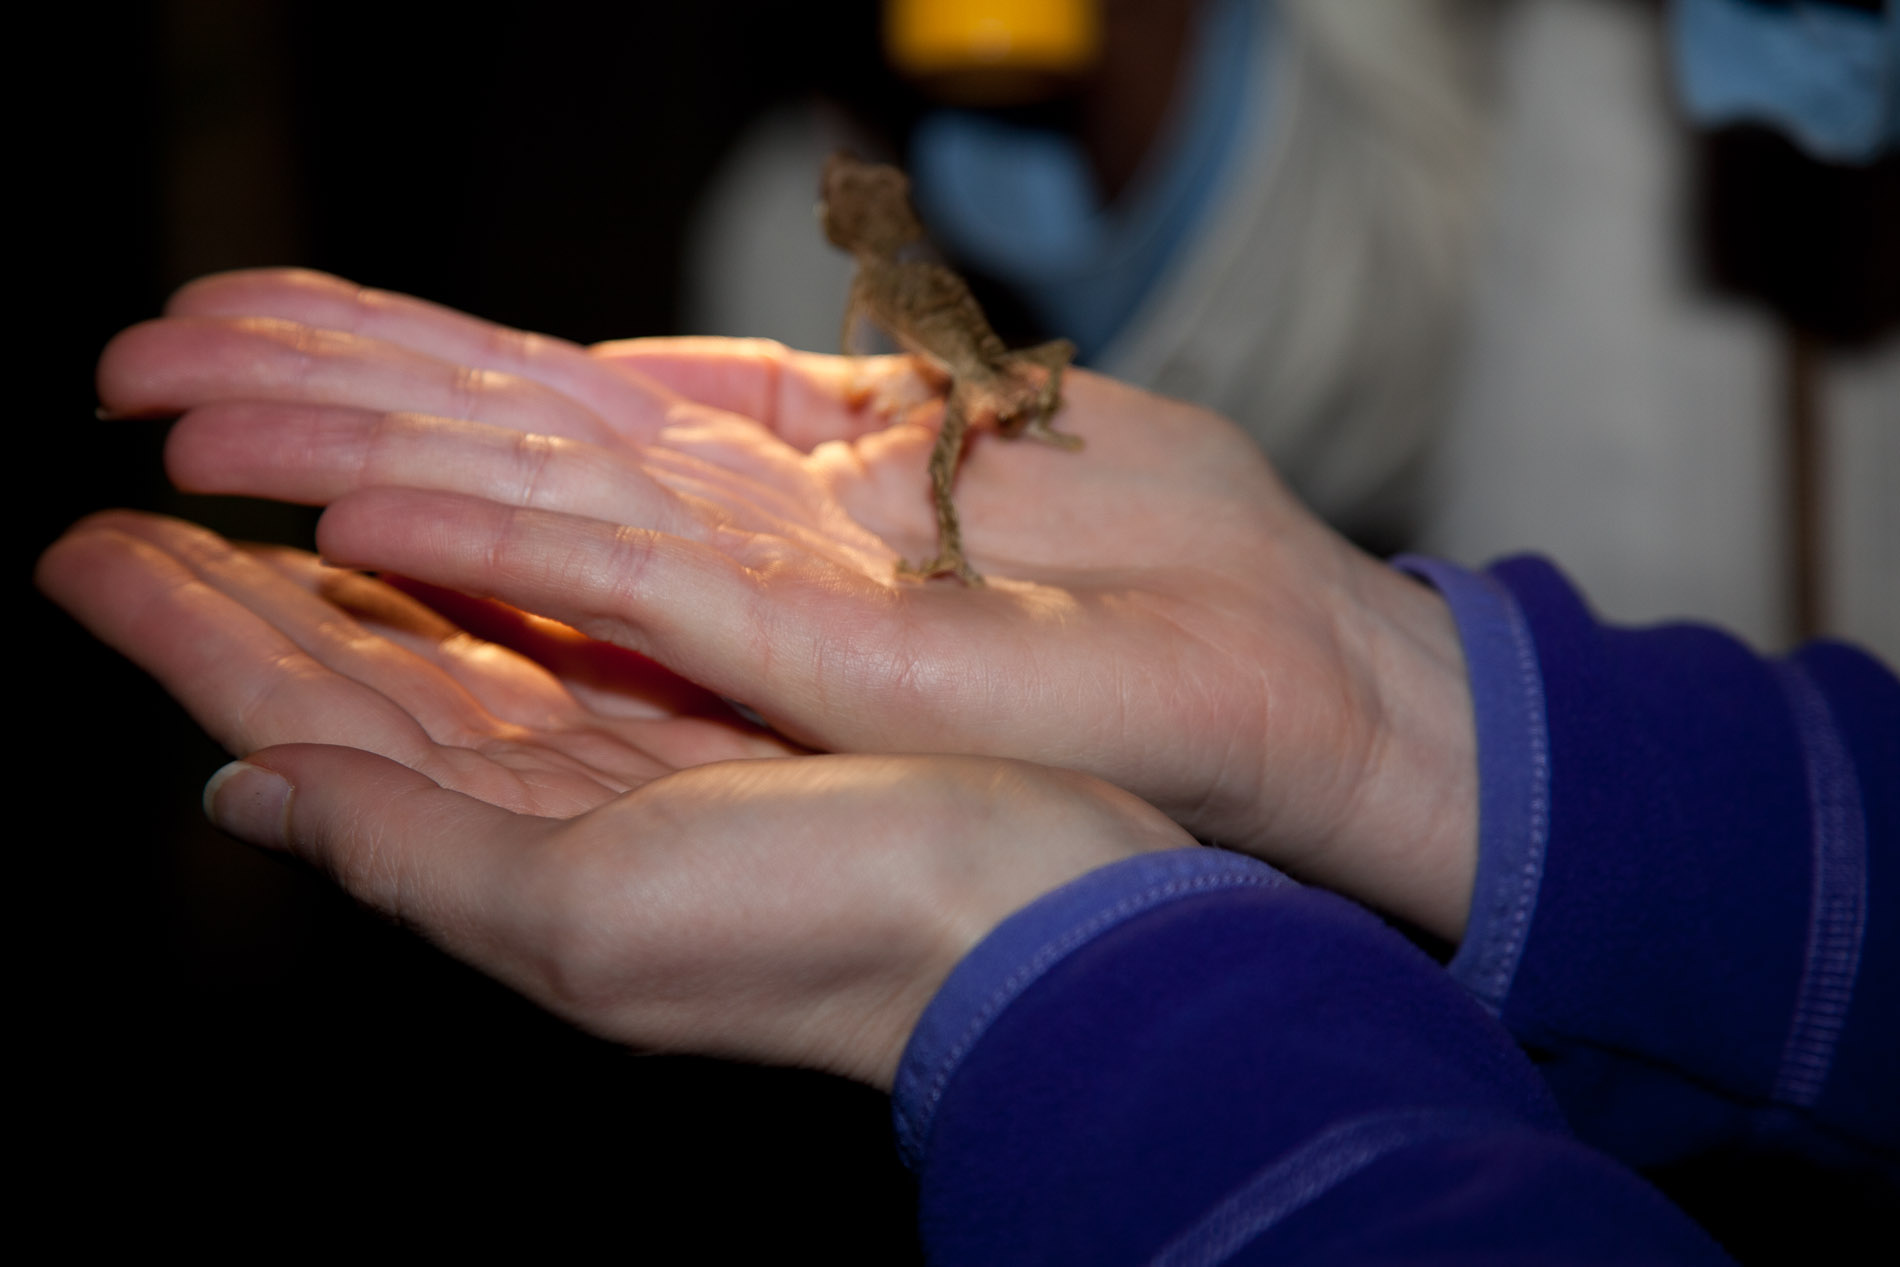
(1507, 700)
(1024, 947)
(1675, 894)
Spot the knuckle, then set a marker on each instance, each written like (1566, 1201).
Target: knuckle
(468, 386)
(628, 558)
(534, 458)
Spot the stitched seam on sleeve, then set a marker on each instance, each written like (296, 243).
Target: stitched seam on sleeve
(1530, 875)
(1837, 910)
(1508, 927)
(1514, 766)
(1308, 1173)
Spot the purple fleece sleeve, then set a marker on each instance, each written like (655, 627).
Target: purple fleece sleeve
(1185, 1058)
(1688, 860)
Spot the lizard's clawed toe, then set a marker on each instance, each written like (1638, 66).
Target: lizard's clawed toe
(1049, 435)
(942, 565)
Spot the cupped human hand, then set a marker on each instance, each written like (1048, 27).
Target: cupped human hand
(1160, 612)
(607, 840)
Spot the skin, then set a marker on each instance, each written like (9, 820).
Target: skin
(1163, 617)
(930, 312)
(608, 840)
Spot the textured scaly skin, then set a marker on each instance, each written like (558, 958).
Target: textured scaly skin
(931, 314)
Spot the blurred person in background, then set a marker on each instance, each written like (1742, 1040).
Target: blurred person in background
(1614, 281)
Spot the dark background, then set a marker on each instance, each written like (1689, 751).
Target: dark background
(218, 1041)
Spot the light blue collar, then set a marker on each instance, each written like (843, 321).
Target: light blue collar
(1021, 204)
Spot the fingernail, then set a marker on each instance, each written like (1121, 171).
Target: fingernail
(251, 803)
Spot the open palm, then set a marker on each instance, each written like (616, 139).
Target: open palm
(603, 837)
(268, 646)
(1160, 613)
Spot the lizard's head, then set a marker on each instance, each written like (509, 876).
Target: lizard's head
(866, 206)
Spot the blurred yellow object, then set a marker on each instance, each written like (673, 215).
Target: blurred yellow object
(993, 51)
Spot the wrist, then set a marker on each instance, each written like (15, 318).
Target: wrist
(1421, 797)
(1402, 834)
(968, 822)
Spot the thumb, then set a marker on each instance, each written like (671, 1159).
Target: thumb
(389, 835)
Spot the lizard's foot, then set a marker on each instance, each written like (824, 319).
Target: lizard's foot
(1039, 429)
(943, 565)
(885, 395)
(1039, 370)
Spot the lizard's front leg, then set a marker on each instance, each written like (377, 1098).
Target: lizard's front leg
(944, 458)
(856, 305)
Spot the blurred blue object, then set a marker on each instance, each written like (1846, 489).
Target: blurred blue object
(1022, 204)
(1825, 75)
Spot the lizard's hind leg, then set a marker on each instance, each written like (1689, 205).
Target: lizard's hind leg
(1053, 356)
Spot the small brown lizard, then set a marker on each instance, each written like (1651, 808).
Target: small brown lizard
(931, 314)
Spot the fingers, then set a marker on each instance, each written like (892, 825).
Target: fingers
(316, 453)
(176, 363)
(611, 680)
(803, 397)
(268, 646)
(174, 607)
(737, 625)
(579, 571)
(504, 682)
(324, 302)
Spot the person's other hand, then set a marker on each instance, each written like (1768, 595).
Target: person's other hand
(604, 838)
(1160, 612)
